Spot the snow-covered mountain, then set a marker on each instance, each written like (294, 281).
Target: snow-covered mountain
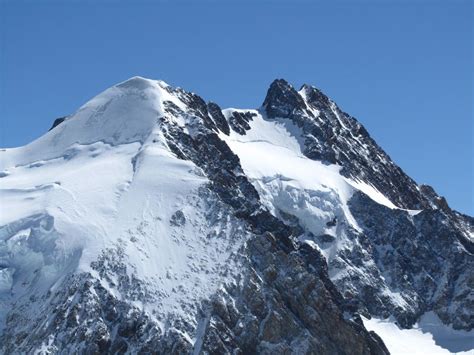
(151, 221)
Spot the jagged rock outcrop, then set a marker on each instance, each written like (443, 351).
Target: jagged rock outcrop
(333, 136)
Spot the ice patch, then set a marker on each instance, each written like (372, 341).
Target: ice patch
(372, 192)
(271, 157)
(428, 337)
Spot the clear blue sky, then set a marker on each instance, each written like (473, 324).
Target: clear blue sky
(403, 68)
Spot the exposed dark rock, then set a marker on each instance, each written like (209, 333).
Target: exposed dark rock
(282, 100)
(332, 223)
(178, 219)
(57, 122)
(421, 255)
(219, 119)
(295, 311)
(335, 137)
(239, 121)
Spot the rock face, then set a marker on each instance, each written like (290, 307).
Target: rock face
(426, 255)
(286, 304)
(180, 245)
(420, 255)
(335, 137)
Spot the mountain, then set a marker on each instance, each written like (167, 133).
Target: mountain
(152, 221)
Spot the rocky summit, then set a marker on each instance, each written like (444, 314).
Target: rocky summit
(153, 222)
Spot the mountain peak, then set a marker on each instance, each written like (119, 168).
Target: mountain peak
(280, 83)
(127, 112)
(282, 99)
(141, 83)
(314, 96)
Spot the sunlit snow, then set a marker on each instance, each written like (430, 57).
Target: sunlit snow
(104, 179)
(428, 337)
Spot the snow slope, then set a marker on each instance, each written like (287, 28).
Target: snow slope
(271, 156)
(106, 179)
(428, 337)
